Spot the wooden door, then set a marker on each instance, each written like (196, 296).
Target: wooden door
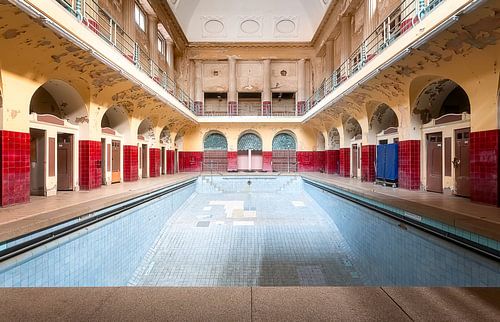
(354, 161)
(115, 161)
(64, 162)
(163, 162)
(144, 161)
(435, 162)
(461, 162)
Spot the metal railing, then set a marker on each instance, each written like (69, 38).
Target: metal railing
(403, 18)
(100, 22)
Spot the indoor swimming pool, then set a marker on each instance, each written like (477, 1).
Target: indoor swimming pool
(242, 231)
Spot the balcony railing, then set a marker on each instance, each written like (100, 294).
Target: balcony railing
(100, 22)
(401, 20)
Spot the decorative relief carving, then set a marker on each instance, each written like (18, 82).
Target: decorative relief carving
(250, 26)
(213, 27)
(286, 27)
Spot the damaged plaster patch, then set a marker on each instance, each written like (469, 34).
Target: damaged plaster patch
(11, 33)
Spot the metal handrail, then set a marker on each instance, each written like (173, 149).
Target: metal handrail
(100, 22)
(400, 20)
(403, 18)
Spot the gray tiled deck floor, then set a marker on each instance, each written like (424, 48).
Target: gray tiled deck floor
(289, 241)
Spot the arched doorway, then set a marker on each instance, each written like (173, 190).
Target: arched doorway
(443, 111)
(166, 145)
(333, 154)
(145, 136)
(284, 152)
(114, 125)
(384, 126)
(215, 152)
(58, 117)
(353, 136)
(250, 152)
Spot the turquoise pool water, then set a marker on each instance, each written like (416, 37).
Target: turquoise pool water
(249, 231)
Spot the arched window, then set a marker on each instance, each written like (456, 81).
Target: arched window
(249, 141)
(215, 141)
(284, 141)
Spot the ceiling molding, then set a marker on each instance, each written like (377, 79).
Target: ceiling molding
(167, 17)
(323, 22)
(250, 45)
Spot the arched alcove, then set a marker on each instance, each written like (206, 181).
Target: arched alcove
(284, 152)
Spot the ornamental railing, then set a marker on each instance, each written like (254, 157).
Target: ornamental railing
(402, 19)
(101, 23)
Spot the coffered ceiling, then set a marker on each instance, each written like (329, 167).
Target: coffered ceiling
(249, 21)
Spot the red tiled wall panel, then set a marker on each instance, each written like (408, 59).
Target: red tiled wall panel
(305, 161)
(89, 164)
(232, 161)
(170, 161)
(15, 163)
(332, 161)
(319, 161)
(190, 161)
(409, 164)
(345, 162)
(368, 156)
(484, 166)
(267, 158)
(130, 163)
(154, 162)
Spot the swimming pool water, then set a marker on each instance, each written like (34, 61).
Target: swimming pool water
(250, 231)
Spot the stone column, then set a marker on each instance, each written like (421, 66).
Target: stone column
(128, 18)
(266, 93)
(346, 42)
(198, 87)
(232, 95)
(301, 86)
(153, 38)
(170, 57)
(329, 57)
(369, 23)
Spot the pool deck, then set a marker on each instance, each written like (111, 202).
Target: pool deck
(446, 208)
(250, 304)
(43, 212)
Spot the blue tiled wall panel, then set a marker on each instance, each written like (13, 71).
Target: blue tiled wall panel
(387, 252)
(104, 254)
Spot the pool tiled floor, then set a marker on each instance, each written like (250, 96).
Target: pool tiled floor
(248, 239)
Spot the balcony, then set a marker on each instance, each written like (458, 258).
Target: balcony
(363, 63)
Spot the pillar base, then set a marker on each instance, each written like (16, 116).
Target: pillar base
(232, 108)
(368, 156)
(345, 162)
(130, 163)
(15, 164)
(154, 162)
(485, 167)
(409, 164)
(90, 164)
(232, 161)
(332, 161)
(266, 108)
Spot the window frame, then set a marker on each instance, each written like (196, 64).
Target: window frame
(161, 44)
(140, 17)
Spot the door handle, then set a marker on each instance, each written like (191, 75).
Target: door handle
(456, 162)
